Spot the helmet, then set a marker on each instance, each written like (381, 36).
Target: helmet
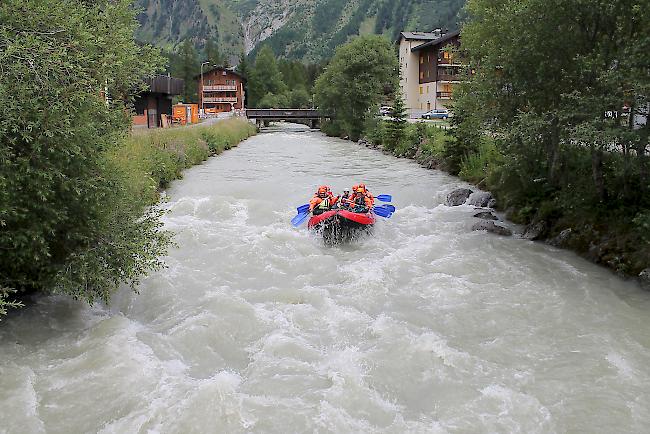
(346, 190)
(323, 189)
(355, 187)
(361, 188)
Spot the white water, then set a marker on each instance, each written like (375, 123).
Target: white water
(259, 327)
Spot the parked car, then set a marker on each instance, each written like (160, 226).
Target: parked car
(385, 110)
(436, 114)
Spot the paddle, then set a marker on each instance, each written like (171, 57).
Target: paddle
(383, 211)
(389, 207)
(384, 198)
(300, 218)
(303, 208)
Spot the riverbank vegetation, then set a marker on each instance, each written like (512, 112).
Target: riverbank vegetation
(77, 191)
(356, 81)
(556, 130)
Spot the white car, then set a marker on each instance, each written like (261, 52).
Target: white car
(436, 114)
(385, 110)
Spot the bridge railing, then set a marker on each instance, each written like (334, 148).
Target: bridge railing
(284, 114)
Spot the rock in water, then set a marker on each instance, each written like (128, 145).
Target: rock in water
(458, 196)
(644, 277)
(535, 231)
(491, 227)
(480, 199)
(486, 215)
(562, 239)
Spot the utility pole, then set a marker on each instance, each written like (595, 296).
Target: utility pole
(202, 91)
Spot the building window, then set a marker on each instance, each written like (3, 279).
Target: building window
(427, 89)
(421, 60)
(421, 90)
(421, 75)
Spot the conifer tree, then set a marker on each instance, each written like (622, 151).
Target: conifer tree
(189, 68)
(397, 124)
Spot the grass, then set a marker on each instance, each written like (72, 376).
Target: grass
(151, 159)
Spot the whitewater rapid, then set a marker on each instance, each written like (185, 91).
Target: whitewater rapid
(255, 326)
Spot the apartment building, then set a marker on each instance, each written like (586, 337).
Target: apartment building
(428, 69)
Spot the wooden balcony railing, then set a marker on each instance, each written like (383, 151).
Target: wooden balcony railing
(448, 77)
(444, 94)
(212, 99)
(220, 88)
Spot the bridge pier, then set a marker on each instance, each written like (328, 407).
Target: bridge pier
(263, 117)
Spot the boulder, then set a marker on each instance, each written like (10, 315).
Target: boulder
(480, 199)
(561, 239)
(644, 277)
(486, 215)
(458, 196)
(535, 231)
(491, 227)
(492, 203)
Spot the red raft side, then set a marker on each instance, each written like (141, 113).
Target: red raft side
(321, 218)
(364, 219)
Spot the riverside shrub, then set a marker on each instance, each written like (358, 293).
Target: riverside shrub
(67, 222)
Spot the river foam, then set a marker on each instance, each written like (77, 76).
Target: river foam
(424, 326)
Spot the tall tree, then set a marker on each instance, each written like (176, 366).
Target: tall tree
(396, 125)
(212, 53)
(243, 68)
(189, 68)
(68, 222)
(359, 76)
(265, 77)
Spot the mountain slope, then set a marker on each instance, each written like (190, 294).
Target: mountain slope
(299, 29)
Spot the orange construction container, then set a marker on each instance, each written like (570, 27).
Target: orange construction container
(179, 113)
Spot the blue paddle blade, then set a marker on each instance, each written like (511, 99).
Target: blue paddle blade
(382, 212)
(299, 219)
(388, 207)
(384, 198)
(303, 208)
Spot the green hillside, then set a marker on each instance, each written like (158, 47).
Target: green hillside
(308, 30)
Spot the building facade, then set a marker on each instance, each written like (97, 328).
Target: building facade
(429, 70)
(221, 90)
(156, 101)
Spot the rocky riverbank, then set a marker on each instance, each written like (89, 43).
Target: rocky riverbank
(599, 245)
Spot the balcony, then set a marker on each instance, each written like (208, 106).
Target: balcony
(448, 77)
(220, 88)
(212, 99)
(444, 95)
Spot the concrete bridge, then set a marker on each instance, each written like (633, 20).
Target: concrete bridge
(265, 116)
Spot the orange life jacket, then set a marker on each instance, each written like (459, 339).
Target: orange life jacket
(317, 200)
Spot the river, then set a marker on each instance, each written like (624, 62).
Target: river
(255, 326)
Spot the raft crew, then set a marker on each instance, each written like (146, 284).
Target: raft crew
(322, 201)
(344, 201)
(361, 201)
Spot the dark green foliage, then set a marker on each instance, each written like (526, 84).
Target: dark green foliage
(265, 78)
(543, 102)
(280, 84)
(357, 79)
(69, 222)
(212, 54)
(395, 127)
(188, 68)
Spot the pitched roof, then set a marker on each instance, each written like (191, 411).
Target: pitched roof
(221, 68)
(418, 36)
(438, 41)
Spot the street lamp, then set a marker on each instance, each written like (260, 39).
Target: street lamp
(202, 92)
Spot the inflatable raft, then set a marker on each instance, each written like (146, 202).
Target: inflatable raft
(341, 225)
